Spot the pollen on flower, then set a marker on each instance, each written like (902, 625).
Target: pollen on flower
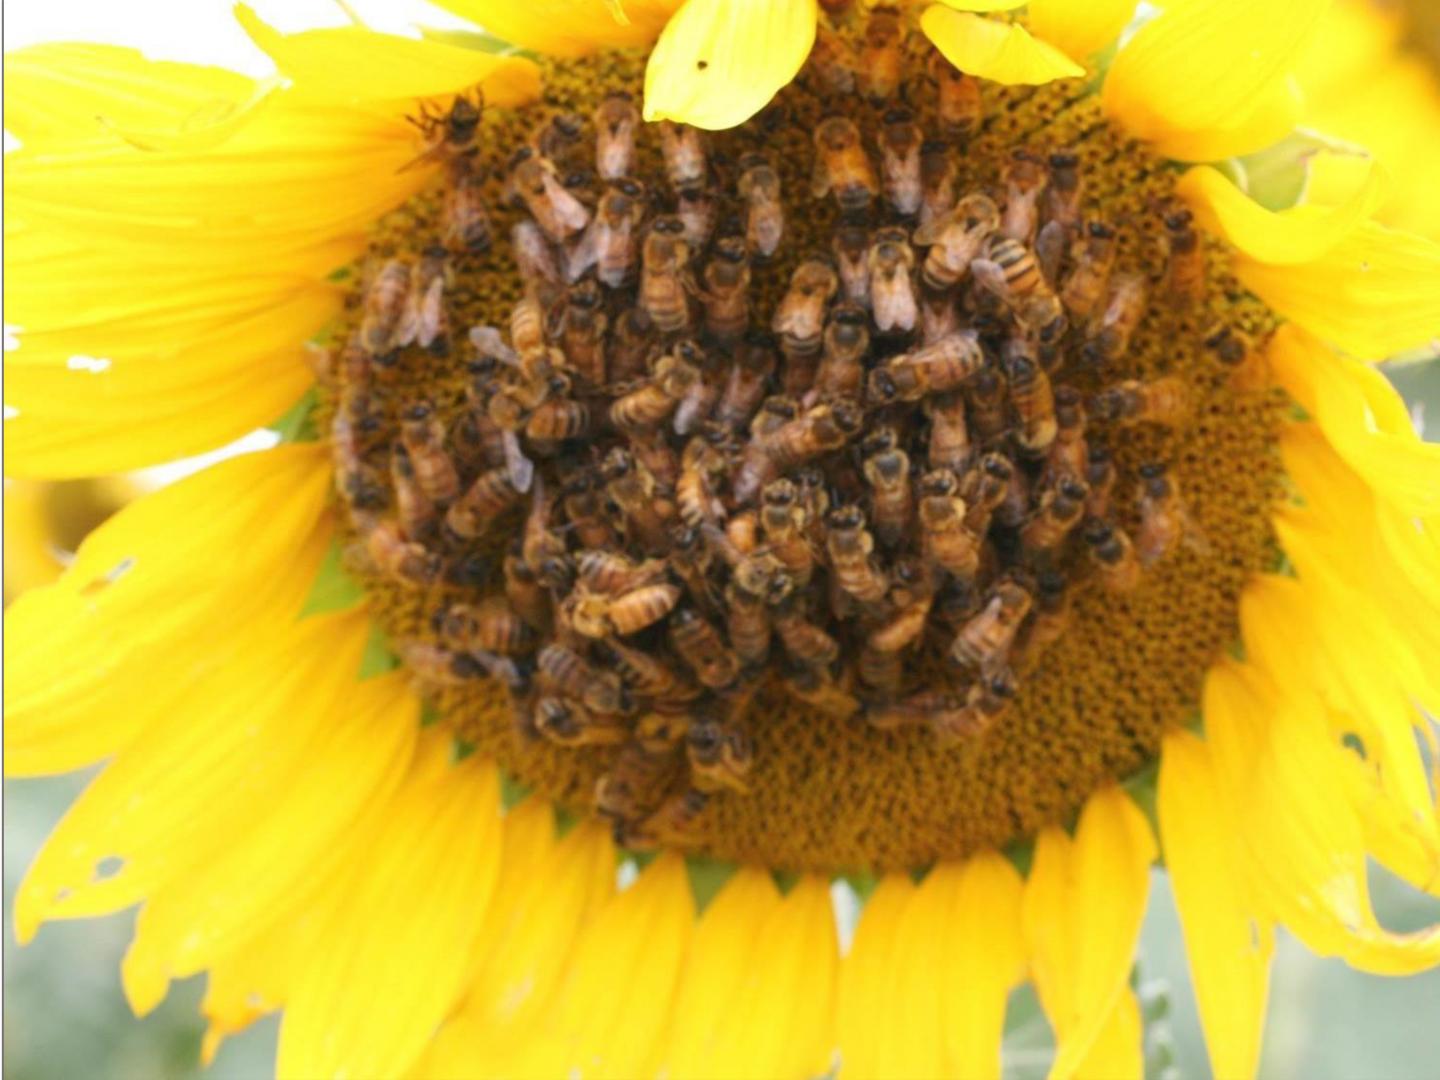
(855, 488)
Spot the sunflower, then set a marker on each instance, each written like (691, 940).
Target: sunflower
(888, 475)
(45, 522)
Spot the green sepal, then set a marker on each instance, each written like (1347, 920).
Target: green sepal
(565, 820)
(298, 423)
(378, 658)
(476, 40)
(862, 883)
(1143, 789)
(429, 714)
(512, 791)
(460, 749)
(785, 880)
(333, 588)
(707, 878)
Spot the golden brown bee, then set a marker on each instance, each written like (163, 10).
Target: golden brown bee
(1113, 555)
(702, 463)
(989, 417)
(581, 332)
(1025, 180)
(526, 595)
(527, 328)
(891, 263)
(1087, 286)
(905, 628)
(800, 316)
(720, 756)
(815, 687)
(757, 464)
(534, 183)
(557, 136)
(534, 257)
(747, 622)
(632, 488)
(900, 140)
(783, 519)
(651, 678)
(699, 401)
(1185, 265)
(494, 627)
(887, 471)
(386, 301)
(423, 436)
(984, 488)
(415, 509)
(826, 427)
(572, 676)
(610, 243)
(947, 540)
(663, 258)
(691, 559)
(704, 651)
(652, 449)
(960, 104)
(745, 383)
(697, 209)
(683, 149)
(850, 245)
(583, 501)
(984, 642)
(949, 443)
(426, 321)
(1164, 401)
(882, 61)
(842, 369)
(673, 822)
(1032, 399)
(1048, 623)
(1164, 521)
(649, 405)
(487, 498)
(616, 122)
(433, 663)
(833, 61)
(1060, 510)
(359, 484)
(937, 180)
(850, 546)
(1010, 271)
(803, 640)
(568, 723)
(558, 418)
(631, 346)
(636, 779)
(842, 166)
(1100, 479)
(466, 217)
(541, 546)
(1129, 296)
(759, 188)
(939, 316)
(399, 559)
(956, 238)
(985, 702)
(1249, 370)
(725, 290)
(1064, 198)
(1068, 453)
(931, 369)
(596, 615)
(613, 573)
(663, 730)
(451, 134)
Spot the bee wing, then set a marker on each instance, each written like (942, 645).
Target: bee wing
(931, 231)
(488, 342)
(521, 468)
(820, 178)
(1050, 249)
(583, 253)
(991, 276)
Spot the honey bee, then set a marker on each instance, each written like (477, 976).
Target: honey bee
(1185, 264)
(610, 244)
(1032, 399)
(426, 321)
(833, 62)
(527, 333)
(1065, 195)
(891, 262)
(1165, 401)
(401, 560)
(534, 257)
(596, 615)
(683, 149)
(949, 443)
(720, 756)
(803, 640)
(759, 188)
(415, 509)
(984, 488)
(783, 519)
(1249, 370)
(697, 208)
(613, 573)
(815, 687)
(635, 780)
(745, 383)
(663, 258)
(616, 122)
(850, 546)
(960, 105)
(581, 331)
(557, 136)
(1010, 271)
(842, 166)
(1113, 555)
(569, 723)
(985, 703)
(900, 140)
(1164, 521)
(632, 488)
(525, 594)
(572, 676)
(435, 664)
(881, 58)
(704, 651)
(650, 678)
(1049, 622)
(945, 537)
(652, 449)
(661, 731)
(422, 434)
(631, 346)
(1025, 178)
(955, 239)
(887, 471)
(649, 405)
(1061, 508)
(747, 622)
(699, 401)
(534, 183)
(821, 429)
(988, 416)
(583, 501)
(674, 822)
(1086, 287)
(541, 546)
(1068, 453)
(932, 369)
(451, 134)
(757, 464)
(845, 343)
(493, 627)
(558, 418)
(939, 316)
(1125, 308)
(691, 559)
(1100, 479)
(386, 301)
(701, 465)
(984, 642)
(937, 180)
(726, 290)
(466, 217)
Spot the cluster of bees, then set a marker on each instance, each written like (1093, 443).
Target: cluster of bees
(666, 486)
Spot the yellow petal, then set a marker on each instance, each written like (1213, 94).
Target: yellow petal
(1362, 416)
(146, 609)
(1000, 51)
(719, 62)
(568, 27)
(1283, 775)
(1084, 902)
(1211, 67)
(1228, 944)
(46, 520)
(262, 873)
(866, 975)
(1079, 29)
(410, 905)
(256, 978)
(1278, 239)
(984, 5)
(1118, 1052)
(355, 64)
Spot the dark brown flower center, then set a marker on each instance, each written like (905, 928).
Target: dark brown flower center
(851, 489)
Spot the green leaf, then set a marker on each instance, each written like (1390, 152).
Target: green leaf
(333, 589)
(707, 878)
(298, 423)
(512, 791)
(378, 658)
